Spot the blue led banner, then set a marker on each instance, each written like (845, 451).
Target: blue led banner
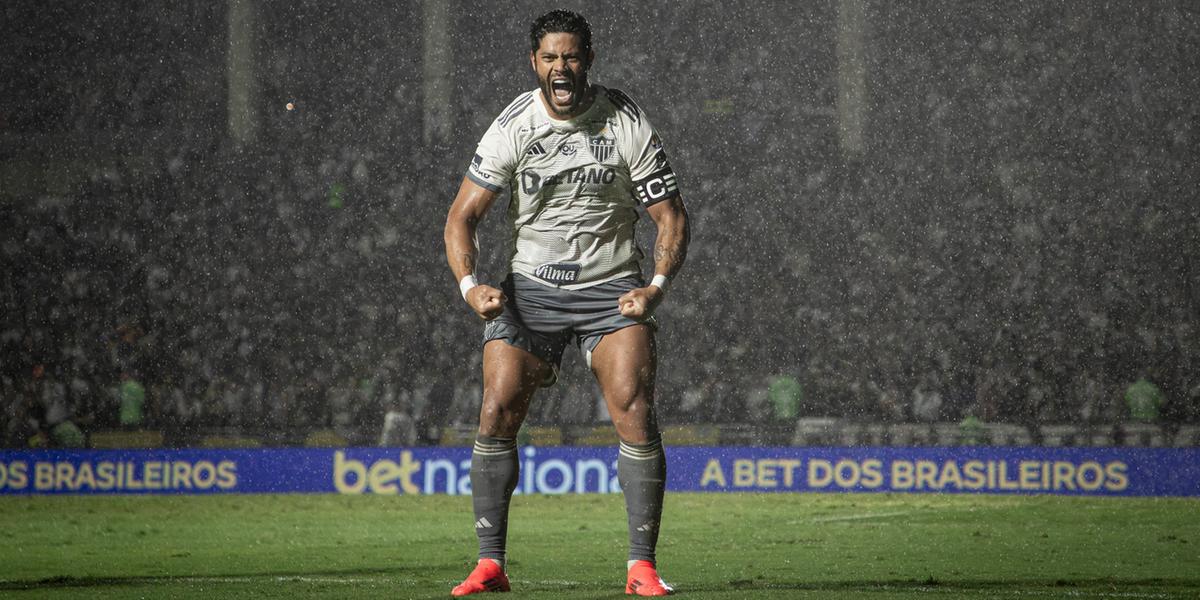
(561, 470)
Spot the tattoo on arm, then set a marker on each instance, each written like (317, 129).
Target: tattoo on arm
(674, 255)
(467, 261)
(671, 257)
(671, 245)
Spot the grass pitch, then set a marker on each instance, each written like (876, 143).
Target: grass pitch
(712, 546)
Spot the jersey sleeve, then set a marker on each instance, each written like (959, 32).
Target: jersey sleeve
(495, 158)
(651, 172)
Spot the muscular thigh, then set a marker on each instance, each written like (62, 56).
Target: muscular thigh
(510, 377)
(625, 364)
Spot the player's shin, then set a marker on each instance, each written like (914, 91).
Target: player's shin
(642, 472)
(494, 471)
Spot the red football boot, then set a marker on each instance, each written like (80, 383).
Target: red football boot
(644, 581)
(487, 577)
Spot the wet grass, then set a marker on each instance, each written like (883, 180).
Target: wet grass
(713, 546)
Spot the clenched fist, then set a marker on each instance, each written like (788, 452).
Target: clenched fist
(638, 304)
(486, 301)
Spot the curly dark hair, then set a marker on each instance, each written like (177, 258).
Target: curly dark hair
(560, 21)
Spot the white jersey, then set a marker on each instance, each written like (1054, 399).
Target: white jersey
(575, 186)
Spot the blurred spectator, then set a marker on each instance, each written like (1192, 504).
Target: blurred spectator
(1144, 400)
(1016, 237)
(131, 401)
(786, 396)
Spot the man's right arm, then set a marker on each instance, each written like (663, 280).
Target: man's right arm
(462, 248)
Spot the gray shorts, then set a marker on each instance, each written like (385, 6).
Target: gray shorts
(542, 320)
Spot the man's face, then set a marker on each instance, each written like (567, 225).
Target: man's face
(561, 69)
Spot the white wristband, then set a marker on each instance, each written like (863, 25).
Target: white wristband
(465, 284)
(660, 282)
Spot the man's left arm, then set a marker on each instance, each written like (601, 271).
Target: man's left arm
(670, 250)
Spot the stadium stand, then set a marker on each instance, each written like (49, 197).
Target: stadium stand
(1102, 436)
(816, 432)
(458, 435)
(1142, 434)
(954, 267)
(325, 439)
(947, 434)
(1060, 435)
(230, 441)
(541, 435)
(126, 439)
(596, 435)
(691, 435)
(740, 434)
(1187, 436)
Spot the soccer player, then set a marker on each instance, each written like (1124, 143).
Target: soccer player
(577, 159)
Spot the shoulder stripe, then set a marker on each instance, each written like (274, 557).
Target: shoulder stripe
(487, 185)
(517, 107)
(624, 104)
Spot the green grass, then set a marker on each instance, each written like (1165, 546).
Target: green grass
(712, 546)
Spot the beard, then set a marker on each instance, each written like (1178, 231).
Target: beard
(564, 100)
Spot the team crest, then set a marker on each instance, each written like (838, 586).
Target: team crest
(601, 147)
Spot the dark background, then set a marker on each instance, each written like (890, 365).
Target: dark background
(1016, 238)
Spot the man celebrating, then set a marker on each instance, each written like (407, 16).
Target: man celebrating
(578, 159)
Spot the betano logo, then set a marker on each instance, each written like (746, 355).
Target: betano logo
(532, 182)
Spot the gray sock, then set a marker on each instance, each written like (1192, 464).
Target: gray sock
(494, 468)
(642, 472)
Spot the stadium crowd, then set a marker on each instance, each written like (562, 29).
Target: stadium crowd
(1017, 242)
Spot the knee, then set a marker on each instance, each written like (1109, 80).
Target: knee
(492, 411)
(497, 415)
(497, 404)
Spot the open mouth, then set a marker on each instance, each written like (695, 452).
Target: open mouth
(562, 90)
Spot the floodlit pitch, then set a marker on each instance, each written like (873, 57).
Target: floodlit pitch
(877, 546)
